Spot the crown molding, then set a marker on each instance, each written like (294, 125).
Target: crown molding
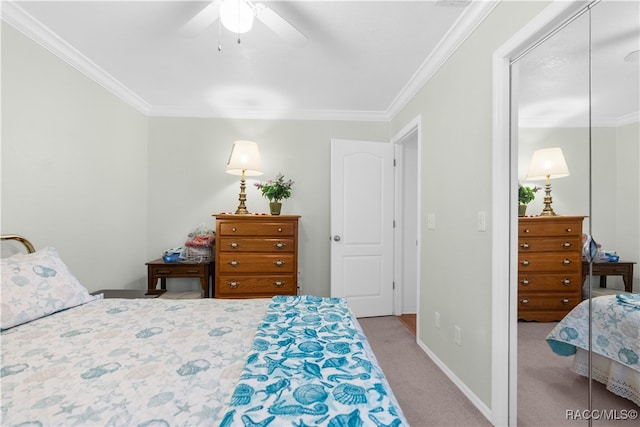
(475, 13)
(34, 29)
(558, 122)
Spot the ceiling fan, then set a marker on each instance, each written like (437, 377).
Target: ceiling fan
(237, 16)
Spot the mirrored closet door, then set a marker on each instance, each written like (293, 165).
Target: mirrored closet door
(578, 148)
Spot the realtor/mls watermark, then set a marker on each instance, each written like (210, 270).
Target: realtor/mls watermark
(601, 414)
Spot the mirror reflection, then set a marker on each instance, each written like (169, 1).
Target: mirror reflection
(579, 95)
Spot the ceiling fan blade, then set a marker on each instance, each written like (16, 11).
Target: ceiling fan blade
(203, 19)
(279, 25)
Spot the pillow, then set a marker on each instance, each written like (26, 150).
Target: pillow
(36, 285)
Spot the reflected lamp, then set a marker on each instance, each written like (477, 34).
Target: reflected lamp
(244, 161)
(547, 164)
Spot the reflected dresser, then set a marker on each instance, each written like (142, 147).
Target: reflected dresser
(549, 266)
(256, 256)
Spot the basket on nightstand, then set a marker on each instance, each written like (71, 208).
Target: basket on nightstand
(197, 254)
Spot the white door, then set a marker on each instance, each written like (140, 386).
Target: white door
(362, 225)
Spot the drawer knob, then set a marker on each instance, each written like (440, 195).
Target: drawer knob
(569, 230)
(526, 230)
(525, 262)
(278, 284)
(233, 284)
(566, 261)
(234, 229)
(279, 263)
(234, 263)
(280, 245)
(524, 282)
(566, 245)
(524, 245)
(566, 282)
(279, 229)
(234, 245)
(524, 301)
(565, 301)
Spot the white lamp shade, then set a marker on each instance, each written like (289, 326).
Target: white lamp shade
(548, 162)
(236, 15)
(245, 156)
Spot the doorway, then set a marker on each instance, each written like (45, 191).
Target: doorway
(406, 265)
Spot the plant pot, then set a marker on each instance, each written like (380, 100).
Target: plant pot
(274, 208)
(522, 210)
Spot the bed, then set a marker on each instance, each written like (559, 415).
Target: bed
(70, 358)
(615, 342)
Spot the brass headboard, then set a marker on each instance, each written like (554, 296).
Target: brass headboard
(27, 244)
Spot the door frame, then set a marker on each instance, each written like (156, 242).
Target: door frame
(504, 342)
(398, 140)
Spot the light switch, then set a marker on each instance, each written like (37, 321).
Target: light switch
(431, 221)
(482, 221)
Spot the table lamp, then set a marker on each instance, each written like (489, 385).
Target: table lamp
(244, 161)
(546, 164)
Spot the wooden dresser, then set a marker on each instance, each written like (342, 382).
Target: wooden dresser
(549, 266)
(256, 256)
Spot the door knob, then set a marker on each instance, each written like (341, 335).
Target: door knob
(336, 238)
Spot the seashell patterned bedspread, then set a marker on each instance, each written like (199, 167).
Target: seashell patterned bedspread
(127, 362)
(615, 331)
(311, 365)
(156, 362)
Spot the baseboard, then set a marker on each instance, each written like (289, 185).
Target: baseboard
(458, 383)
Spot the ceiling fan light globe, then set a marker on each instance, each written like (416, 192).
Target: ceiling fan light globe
(236, 16)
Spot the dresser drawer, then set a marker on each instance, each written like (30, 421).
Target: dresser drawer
(251, 286)
(246, 228)
(543, 301)
(545, 282)
(253, 244)
(552, 262)
(255, 263)
(549, 227)
(549, 244)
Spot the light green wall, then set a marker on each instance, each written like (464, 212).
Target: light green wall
(456, 146)
(187, 158)
(74, 166)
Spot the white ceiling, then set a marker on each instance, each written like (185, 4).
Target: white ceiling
(363, 59)
(359, 57)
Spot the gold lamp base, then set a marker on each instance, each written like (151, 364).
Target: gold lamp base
(242, 197)
(547, 210)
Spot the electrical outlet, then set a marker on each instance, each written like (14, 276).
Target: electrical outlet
(437, 319)
(431, 221)
(457, 335)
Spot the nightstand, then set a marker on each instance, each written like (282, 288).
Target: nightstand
(158, 269)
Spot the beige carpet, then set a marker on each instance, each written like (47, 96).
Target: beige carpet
(427, 397)
(546, 386)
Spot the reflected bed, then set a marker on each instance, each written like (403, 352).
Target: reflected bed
(615, 342)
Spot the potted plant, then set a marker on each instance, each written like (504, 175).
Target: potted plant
(275, 191)
(525, 196)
